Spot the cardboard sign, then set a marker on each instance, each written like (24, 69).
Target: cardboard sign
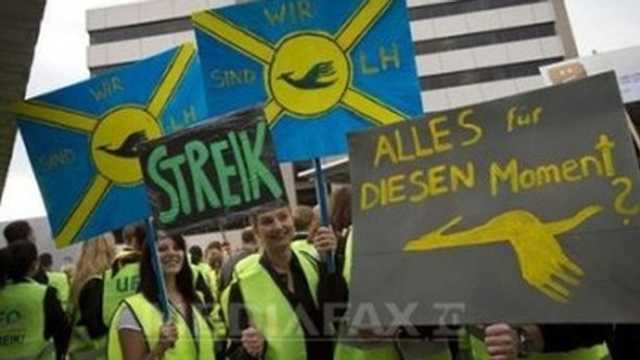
(519, 210)
(323, 68)
(222, 168)
(625, 62)
(82, 140)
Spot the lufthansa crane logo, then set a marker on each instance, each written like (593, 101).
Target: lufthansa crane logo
(308, 73)
(543, 263)
(113, 139)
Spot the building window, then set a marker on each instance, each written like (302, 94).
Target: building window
(474, 76)
(462, 7)
(485, 38)
(140, 30)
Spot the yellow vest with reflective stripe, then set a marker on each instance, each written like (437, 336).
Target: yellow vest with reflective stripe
(117, 288)
(345, 351)
(60, 282)
(22, 322)
(196, 344)
(81, 345)
(269, 309)
(305, 247)
(593, 353)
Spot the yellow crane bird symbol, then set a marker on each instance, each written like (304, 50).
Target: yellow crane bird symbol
(542, 261)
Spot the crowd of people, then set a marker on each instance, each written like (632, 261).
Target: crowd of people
(274, 298)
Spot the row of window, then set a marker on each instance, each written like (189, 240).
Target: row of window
(462, 7)
(474, 76)
(139, 31)
(184, 24)
(485, 38)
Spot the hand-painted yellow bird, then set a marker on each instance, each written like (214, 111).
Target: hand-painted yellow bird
(542, 260)
(312, 79)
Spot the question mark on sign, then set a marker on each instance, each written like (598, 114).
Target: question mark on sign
(621, 198)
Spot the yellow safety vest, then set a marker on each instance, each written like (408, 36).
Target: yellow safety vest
(270, 310)
(60, 282)
(22, 322)
(117, 288)
(305, 247)
(345, 351)
(194, 344)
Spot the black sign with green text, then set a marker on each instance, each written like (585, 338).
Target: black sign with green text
(222, 168)
(523, 210)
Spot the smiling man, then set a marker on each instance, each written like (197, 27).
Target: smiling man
(277, 298)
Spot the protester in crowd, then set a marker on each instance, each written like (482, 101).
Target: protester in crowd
(294, 285)
(249, 243)
(57, 280)
(213, 255)
(98, 294)
(201, 268)
(195, 254)
(215, 258)
(249, 247)
(88, 340)
(304, 219)
(138, 330)
(20, 230)
(33, 318)
(45, 260)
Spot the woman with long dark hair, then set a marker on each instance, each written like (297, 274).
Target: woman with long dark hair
(33, 325)
(137, 331)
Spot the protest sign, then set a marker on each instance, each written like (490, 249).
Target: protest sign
(323, 68)
(220, 169)
(519, 210)
(82, 140)
(625, 62)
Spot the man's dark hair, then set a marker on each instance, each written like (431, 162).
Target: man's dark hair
(196, 254)
(248, 237)
(17, 230)
(46, 261)
(23, 255)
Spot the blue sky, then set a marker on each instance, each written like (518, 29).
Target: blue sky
(598, 25)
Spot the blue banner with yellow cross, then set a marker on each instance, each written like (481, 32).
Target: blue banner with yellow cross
(82, 140)
(322, 68)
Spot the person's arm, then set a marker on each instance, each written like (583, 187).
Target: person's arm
(90, 307)
(245, 341)
(56, 323)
